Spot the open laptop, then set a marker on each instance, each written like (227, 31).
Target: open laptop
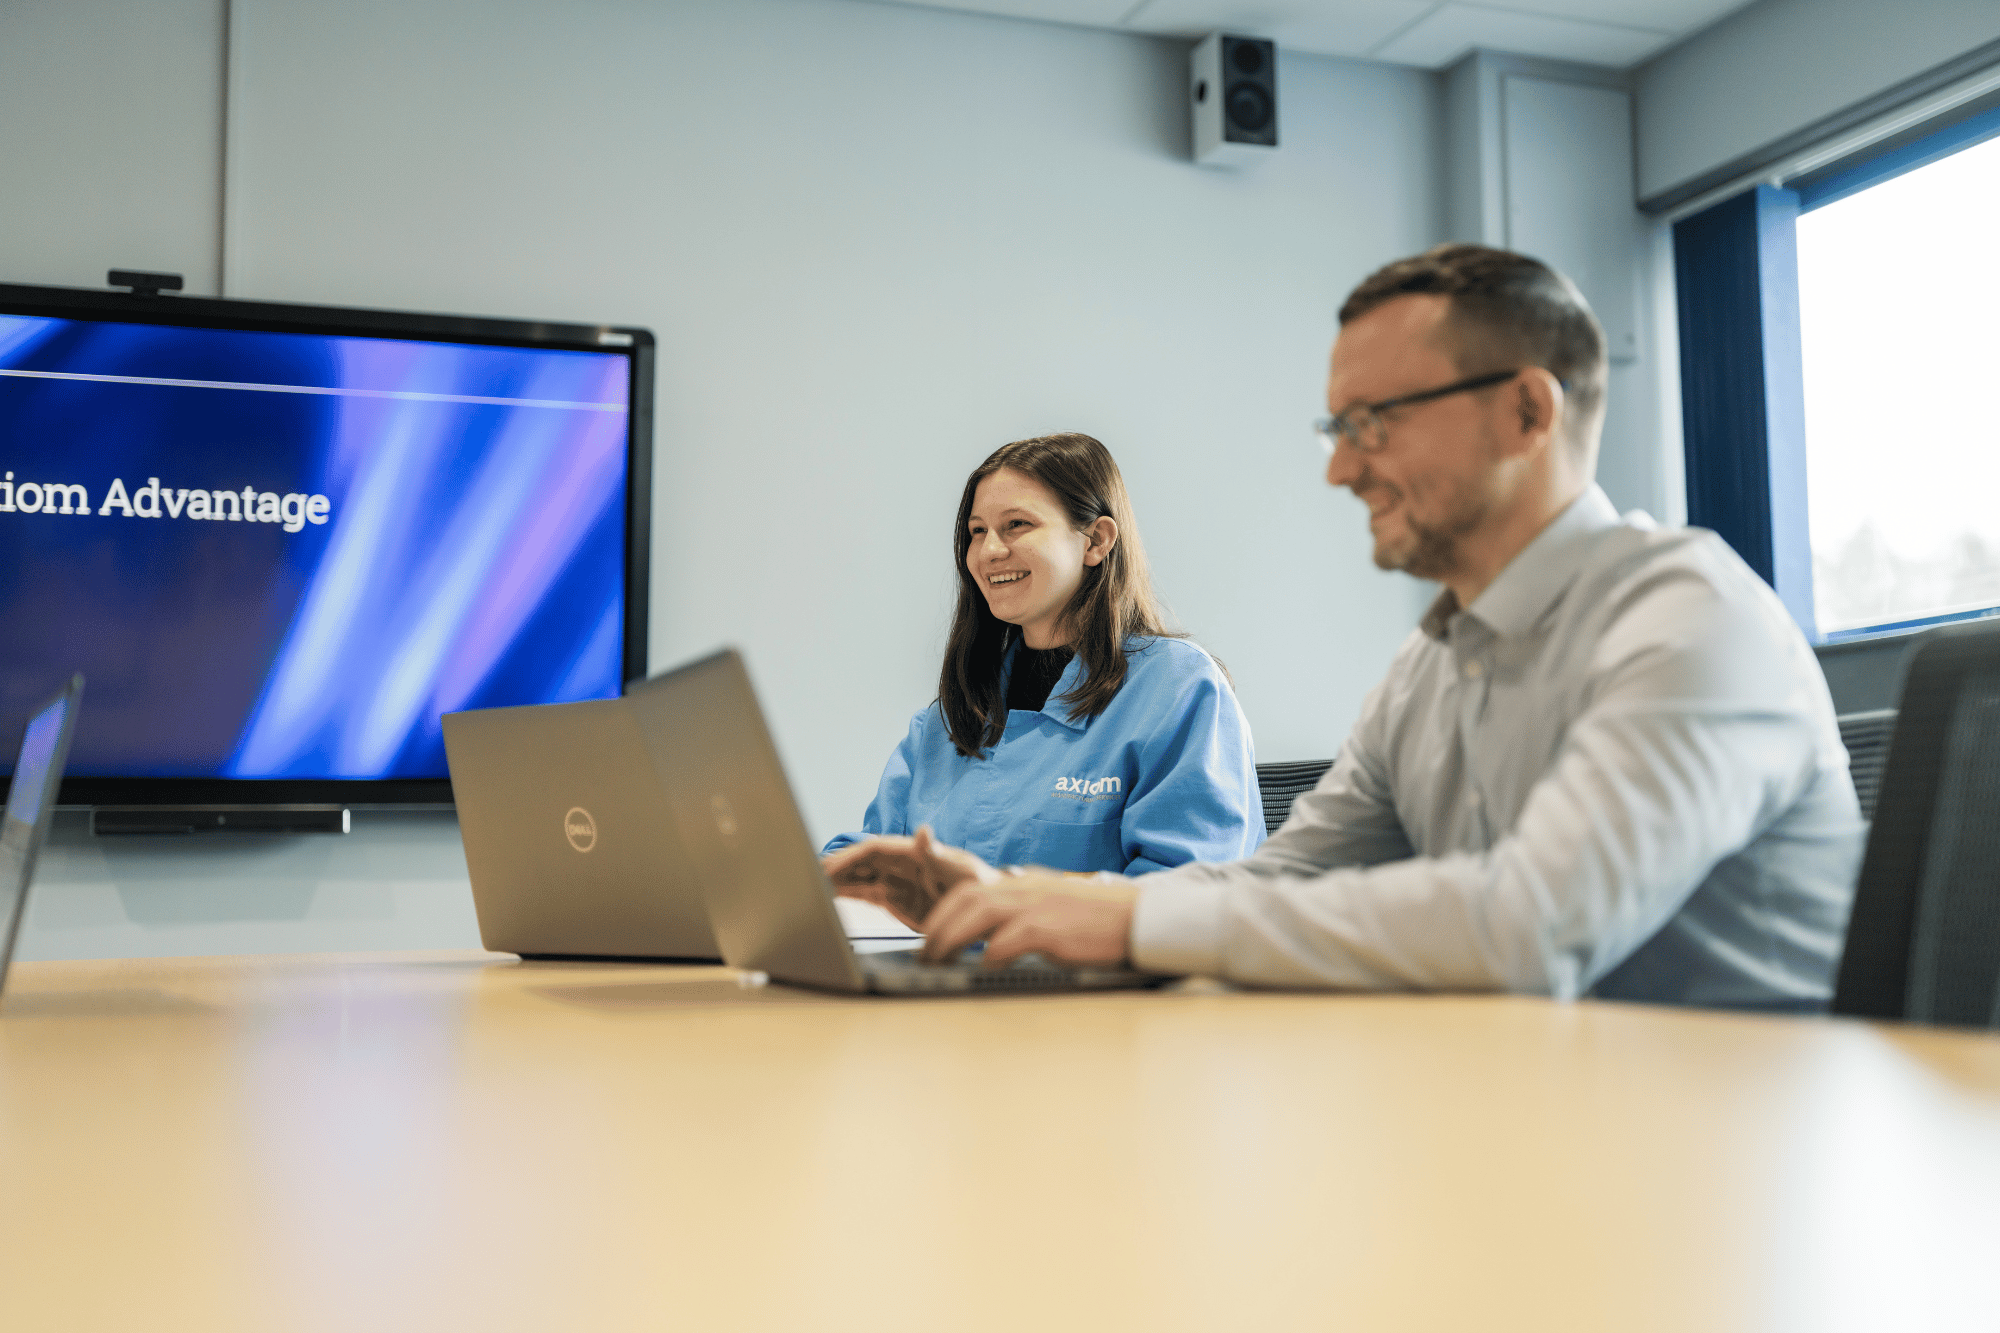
(772, 907)
(572, 849)
(31, 803)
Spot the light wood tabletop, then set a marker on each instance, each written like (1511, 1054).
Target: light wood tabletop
(446, 1141)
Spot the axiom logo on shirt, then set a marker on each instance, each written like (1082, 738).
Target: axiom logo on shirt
(1084, 789)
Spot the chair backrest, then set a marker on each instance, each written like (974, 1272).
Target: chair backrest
(1866, 736)
(1281, 784)
(1923, 942)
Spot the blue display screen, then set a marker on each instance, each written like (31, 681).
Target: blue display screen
(283, 555)
(38, 751)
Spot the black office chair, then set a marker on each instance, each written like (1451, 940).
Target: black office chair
(1923, 943)
(1866, 736)
(1281, 784)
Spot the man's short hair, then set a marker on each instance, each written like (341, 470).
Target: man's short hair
(1507, 310)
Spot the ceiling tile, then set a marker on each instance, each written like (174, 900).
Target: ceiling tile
(1454, 29)
(1679, 17)
(1322, 27)
(1089, 13)
(1425, 33)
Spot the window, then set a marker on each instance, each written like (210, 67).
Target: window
(1899, 324)
(1840, 381)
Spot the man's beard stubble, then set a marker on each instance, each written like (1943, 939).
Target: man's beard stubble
(1433, 550)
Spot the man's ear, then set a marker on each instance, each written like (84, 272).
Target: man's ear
(1536, 407)
(1103, 536)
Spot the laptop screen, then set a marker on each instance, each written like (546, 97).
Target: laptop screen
(38, 751)
(34, 786)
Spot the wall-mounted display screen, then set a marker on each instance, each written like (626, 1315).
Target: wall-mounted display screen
(281, 555)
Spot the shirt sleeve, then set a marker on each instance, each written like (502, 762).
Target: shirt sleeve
(1697, 733)
(1349, 817)
(890, 810)
(1195, 798)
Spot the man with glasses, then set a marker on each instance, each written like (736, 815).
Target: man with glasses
(1605, 763)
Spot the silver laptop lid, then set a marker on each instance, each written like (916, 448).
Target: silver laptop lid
(31, 804)
(568, 838)
(771, 906)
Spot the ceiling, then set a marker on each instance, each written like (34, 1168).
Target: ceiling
(1425, 34)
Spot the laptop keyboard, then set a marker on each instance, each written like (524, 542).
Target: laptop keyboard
(904, 972)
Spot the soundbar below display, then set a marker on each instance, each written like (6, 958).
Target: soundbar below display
(284, 555)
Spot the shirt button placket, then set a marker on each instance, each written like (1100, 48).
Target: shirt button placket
(1473, 692)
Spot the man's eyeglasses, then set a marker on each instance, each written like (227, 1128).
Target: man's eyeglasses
(1363, 427)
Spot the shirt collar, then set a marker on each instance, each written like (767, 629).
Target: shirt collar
(1539, 574)
(1053, 706)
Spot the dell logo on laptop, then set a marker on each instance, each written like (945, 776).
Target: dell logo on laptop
(580, 828)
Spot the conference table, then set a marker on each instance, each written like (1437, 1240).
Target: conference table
(468, 1141)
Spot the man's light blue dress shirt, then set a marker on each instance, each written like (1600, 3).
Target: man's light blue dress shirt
(1616, 773)
(1162, 777)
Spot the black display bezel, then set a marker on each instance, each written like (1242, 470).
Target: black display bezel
(635, 344)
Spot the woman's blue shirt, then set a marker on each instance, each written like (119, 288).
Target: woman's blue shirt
(1163, 776)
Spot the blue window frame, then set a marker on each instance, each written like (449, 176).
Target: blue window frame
(1744, 383)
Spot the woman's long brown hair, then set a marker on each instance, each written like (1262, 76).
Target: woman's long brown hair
(1113, 603)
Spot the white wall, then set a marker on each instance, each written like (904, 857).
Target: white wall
(396, 882)
(110, 140)
(1538, 158)
(1780, 65)
(875, 242)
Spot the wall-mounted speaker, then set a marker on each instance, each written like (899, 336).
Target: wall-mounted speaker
(1233, 94)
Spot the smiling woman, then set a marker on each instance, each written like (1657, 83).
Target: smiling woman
(1071, 729)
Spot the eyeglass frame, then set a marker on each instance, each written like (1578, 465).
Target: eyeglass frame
(1329, 430)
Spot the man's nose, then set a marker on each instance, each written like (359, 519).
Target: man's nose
(1343, 466)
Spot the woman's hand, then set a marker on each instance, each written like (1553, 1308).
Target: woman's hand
(905, 875)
